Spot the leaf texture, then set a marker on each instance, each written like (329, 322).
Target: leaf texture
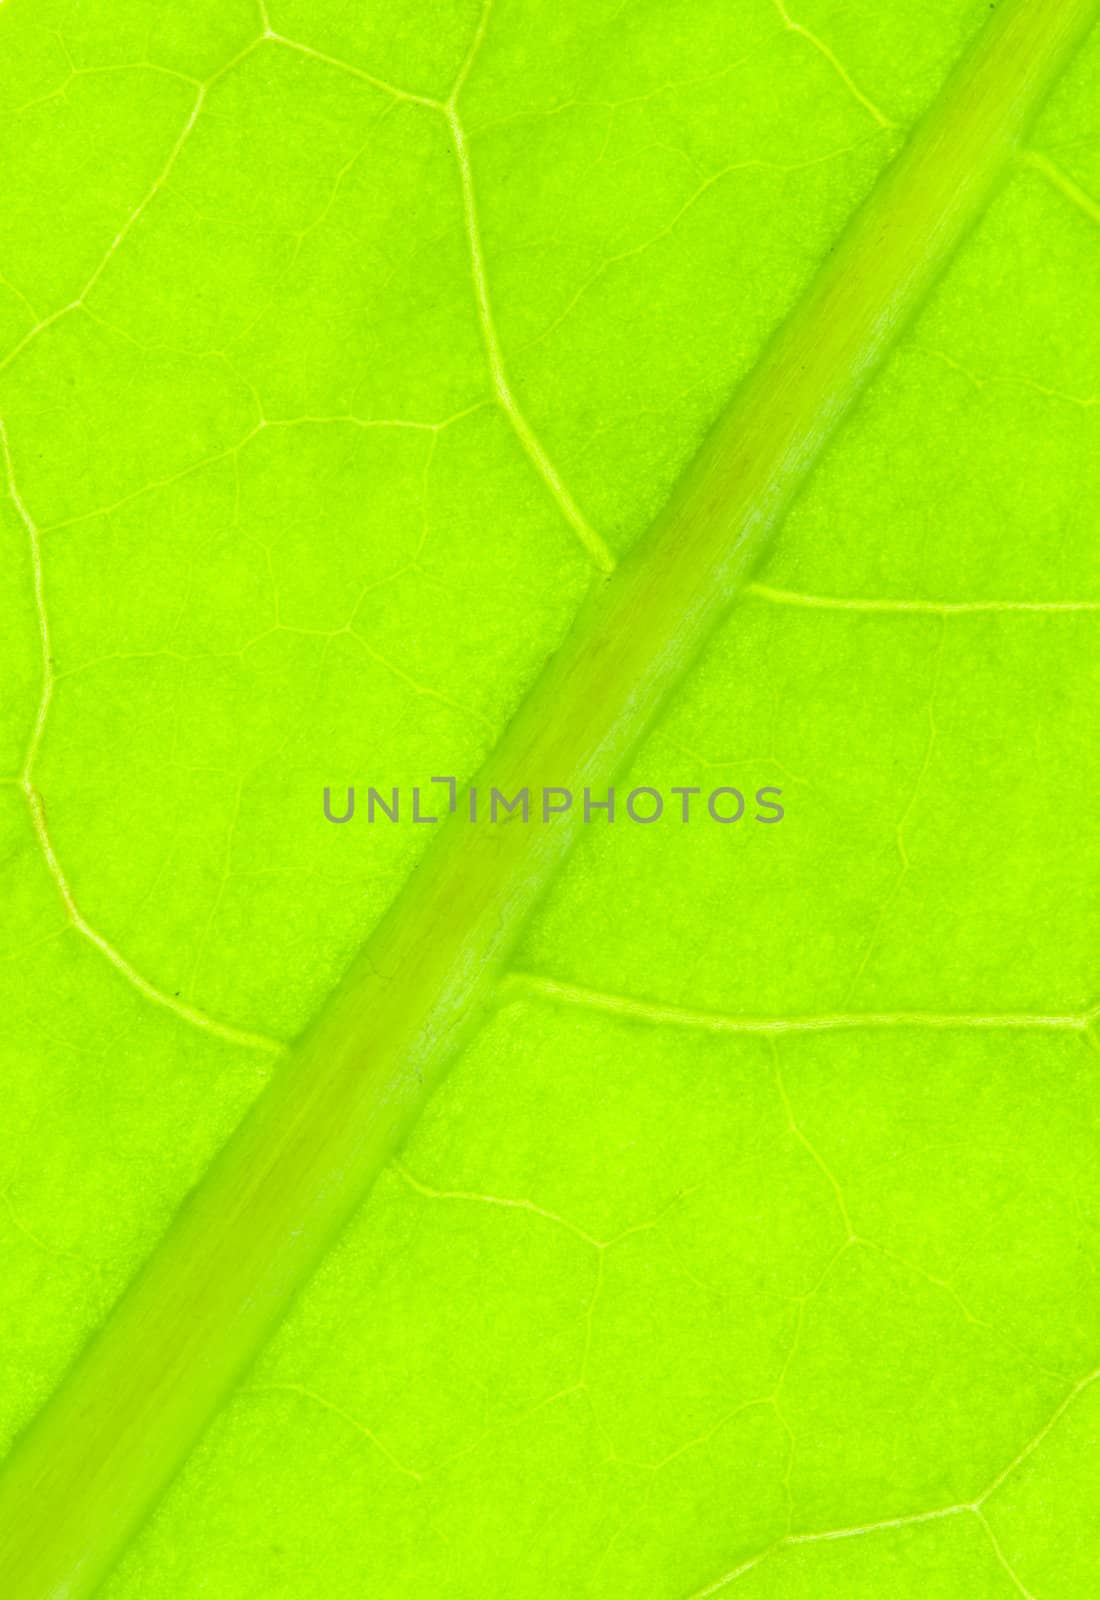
(761, 1209)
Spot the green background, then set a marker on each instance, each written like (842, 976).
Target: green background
(764, 1207)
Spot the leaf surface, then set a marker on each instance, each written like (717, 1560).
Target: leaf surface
(763, 1207)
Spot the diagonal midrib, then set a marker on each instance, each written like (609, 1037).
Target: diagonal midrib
(82, 1478)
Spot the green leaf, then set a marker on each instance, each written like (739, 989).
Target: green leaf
(750, 1243)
